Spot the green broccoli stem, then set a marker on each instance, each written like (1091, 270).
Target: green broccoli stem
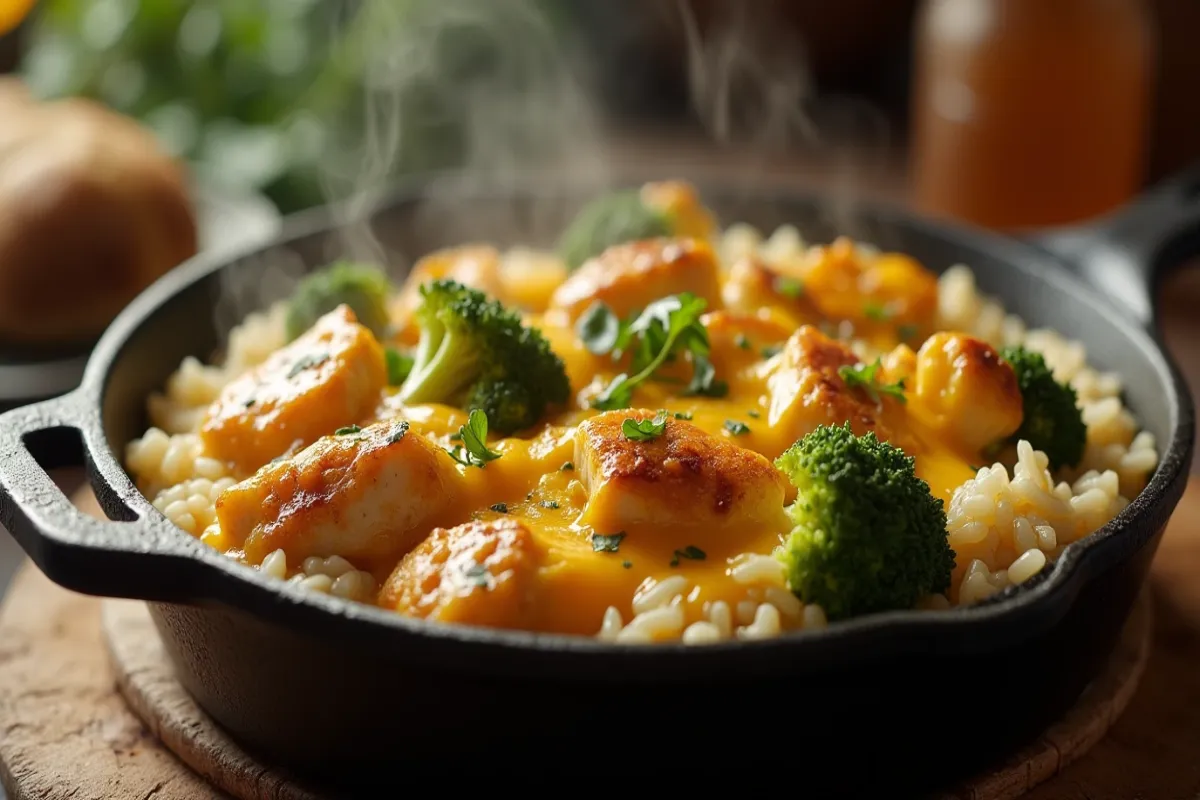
(444, 367)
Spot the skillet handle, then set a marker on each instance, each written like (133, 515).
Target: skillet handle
(141, 557)
(1126, 253)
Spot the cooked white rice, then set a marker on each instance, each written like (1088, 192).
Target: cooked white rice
(1006, 524)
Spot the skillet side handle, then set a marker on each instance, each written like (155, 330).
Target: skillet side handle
(1126, 254)
(142, 558)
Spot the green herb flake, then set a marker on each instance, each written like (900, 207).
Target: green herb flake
(307, 362)
(550, 504)
(249, 403)
(736, 428)
(607, 542)
(627, 564)
(477, 575)
(568, 466)
(790, 288)
(865, 377)
(599, 329)
(499, 508)
(877, 312)
(346, 431)
(753, 413)
(398, 433)
(704, 381)
(474, 451)
(683, 415)
(771, 351)
(907, 332)
(692, 553)
(741, 341)
(646, 429)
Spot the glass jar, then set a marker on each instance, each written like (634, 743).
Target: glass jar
(1030, 112)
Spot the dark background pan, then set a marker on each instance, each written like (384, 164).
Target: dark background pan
(353, 695)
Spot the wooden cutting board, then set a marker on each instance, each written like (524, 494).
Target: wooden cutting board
(66, 731)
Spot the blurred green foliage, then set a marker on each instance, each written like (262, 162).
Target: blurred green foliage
(277, 96)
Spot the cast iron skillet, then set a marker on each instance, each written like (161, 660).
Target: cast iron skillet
(348, 695)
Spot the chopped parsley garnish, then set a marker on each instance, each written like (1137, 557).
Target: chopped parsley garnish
(307, 362)
(664, 331)
(877, 312)
(398, 366)
(607, 542)
(346, 431)
(863, 376)
(550, 504)
(250, 403)
(499, 508)
(474, 452)
(599, 329)
(771, 351)
(399, 433)
(736, 428)
(683, 415)
(645, 429)
(691, 552)
(907, 332)
(789, 288)
(567, 466)
(742, 342)
(627, 564)
(753, 413)
(477, 575)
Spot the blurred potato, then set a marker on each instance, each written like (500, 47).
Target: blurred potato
(91, 212)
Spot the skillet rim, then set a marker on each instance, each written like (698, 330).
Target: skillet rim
(1017, 612)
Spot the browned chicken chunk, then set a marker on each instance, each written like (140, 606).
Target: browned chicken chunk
(480, 573)
(683, 477)
(629, 277)
(367, 495)
(329, 377)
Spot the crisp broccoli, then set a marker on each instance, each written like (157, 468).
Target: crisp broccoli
(610, 220)
(362, 287)
(1052, 422)
(475, 354)
(869, 536)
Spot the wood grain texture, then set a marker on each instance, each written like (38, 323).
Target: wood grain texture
(66, 732)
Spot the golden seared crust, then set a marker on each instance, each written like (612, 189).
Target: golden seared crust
(329, 377)
(72, 165)
(682, 477)
(480, 573)
(628, 277)
(967, 389)
(368, 496)
(473, 265)
(806, 389)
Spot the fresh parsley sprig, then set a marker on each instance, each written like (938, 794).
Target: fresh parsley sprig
(473, 452)
(643, 430)
(865, 377)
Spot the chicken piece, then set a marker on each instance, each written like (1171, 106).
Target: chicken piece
(628, 277)
(967, 390)
(683, 477)
(480, 573)
(329, 377)
(889, 287)
(753, 285)
(367, 495)
(738, 340)
(476, 266)
(682, 204)
(806, 390)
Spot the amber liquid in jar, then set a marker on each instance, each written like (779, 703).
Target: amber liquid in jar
(1030, 112)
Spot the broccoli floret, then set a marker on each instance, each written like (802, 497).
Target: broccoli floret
(610, 220)
(362, 287)
(475, 354)
(1053, 422)
(869, 535)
